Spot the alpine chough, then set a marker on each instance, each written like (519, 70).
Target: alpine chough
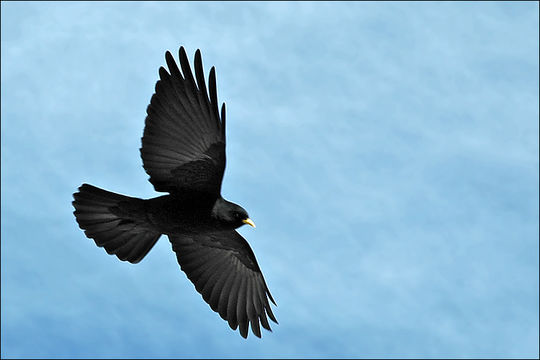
(183, 152)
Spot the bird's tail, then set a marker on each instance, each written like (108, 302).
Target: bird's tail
(115, 222)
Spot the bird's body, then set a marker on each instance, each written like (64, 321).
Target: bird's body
(175, 214)
(183, 151)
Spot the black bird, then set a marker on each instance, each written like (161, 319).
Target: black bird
(183, 151)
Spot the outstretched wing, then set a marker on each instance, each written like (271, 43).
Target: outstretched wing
(183, 145)
(225, 272)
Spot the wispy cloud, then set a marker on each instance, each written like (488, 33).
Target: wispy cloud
(388, 153)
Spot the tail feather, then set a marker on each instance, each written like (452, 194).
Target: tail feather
(103, 217)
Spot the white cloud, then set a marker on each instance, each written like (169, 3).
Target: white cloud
(388, 153)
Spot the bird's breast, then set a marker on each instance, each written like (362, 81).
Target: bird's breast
(173, 215)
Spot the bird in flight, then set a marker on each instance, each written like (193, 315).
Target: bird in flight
(183, 152)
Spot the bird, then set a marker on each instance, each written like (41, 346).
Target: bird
(183, 152)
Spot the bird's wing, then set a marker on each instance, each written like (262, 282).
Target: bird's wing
(225, 272)
(183, 145)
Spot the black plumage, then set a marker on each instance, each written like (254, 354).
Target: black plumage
(183, 152)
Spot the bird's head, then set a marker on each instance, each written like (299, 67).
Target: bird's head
(231, 215)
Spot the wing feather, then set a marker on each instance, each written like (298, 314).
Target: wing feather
(199, 74)
(241, 311)
(213, 92)
(183, 131)
(223, 306)
(223, 269)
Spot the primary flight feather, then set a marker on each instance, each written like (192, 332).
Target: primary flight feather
(183, 152)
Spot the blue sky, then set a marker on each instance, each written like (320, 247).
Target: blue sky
(388, 153)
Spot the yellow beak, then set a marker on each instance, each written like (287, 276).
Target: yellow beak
(249, 222)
